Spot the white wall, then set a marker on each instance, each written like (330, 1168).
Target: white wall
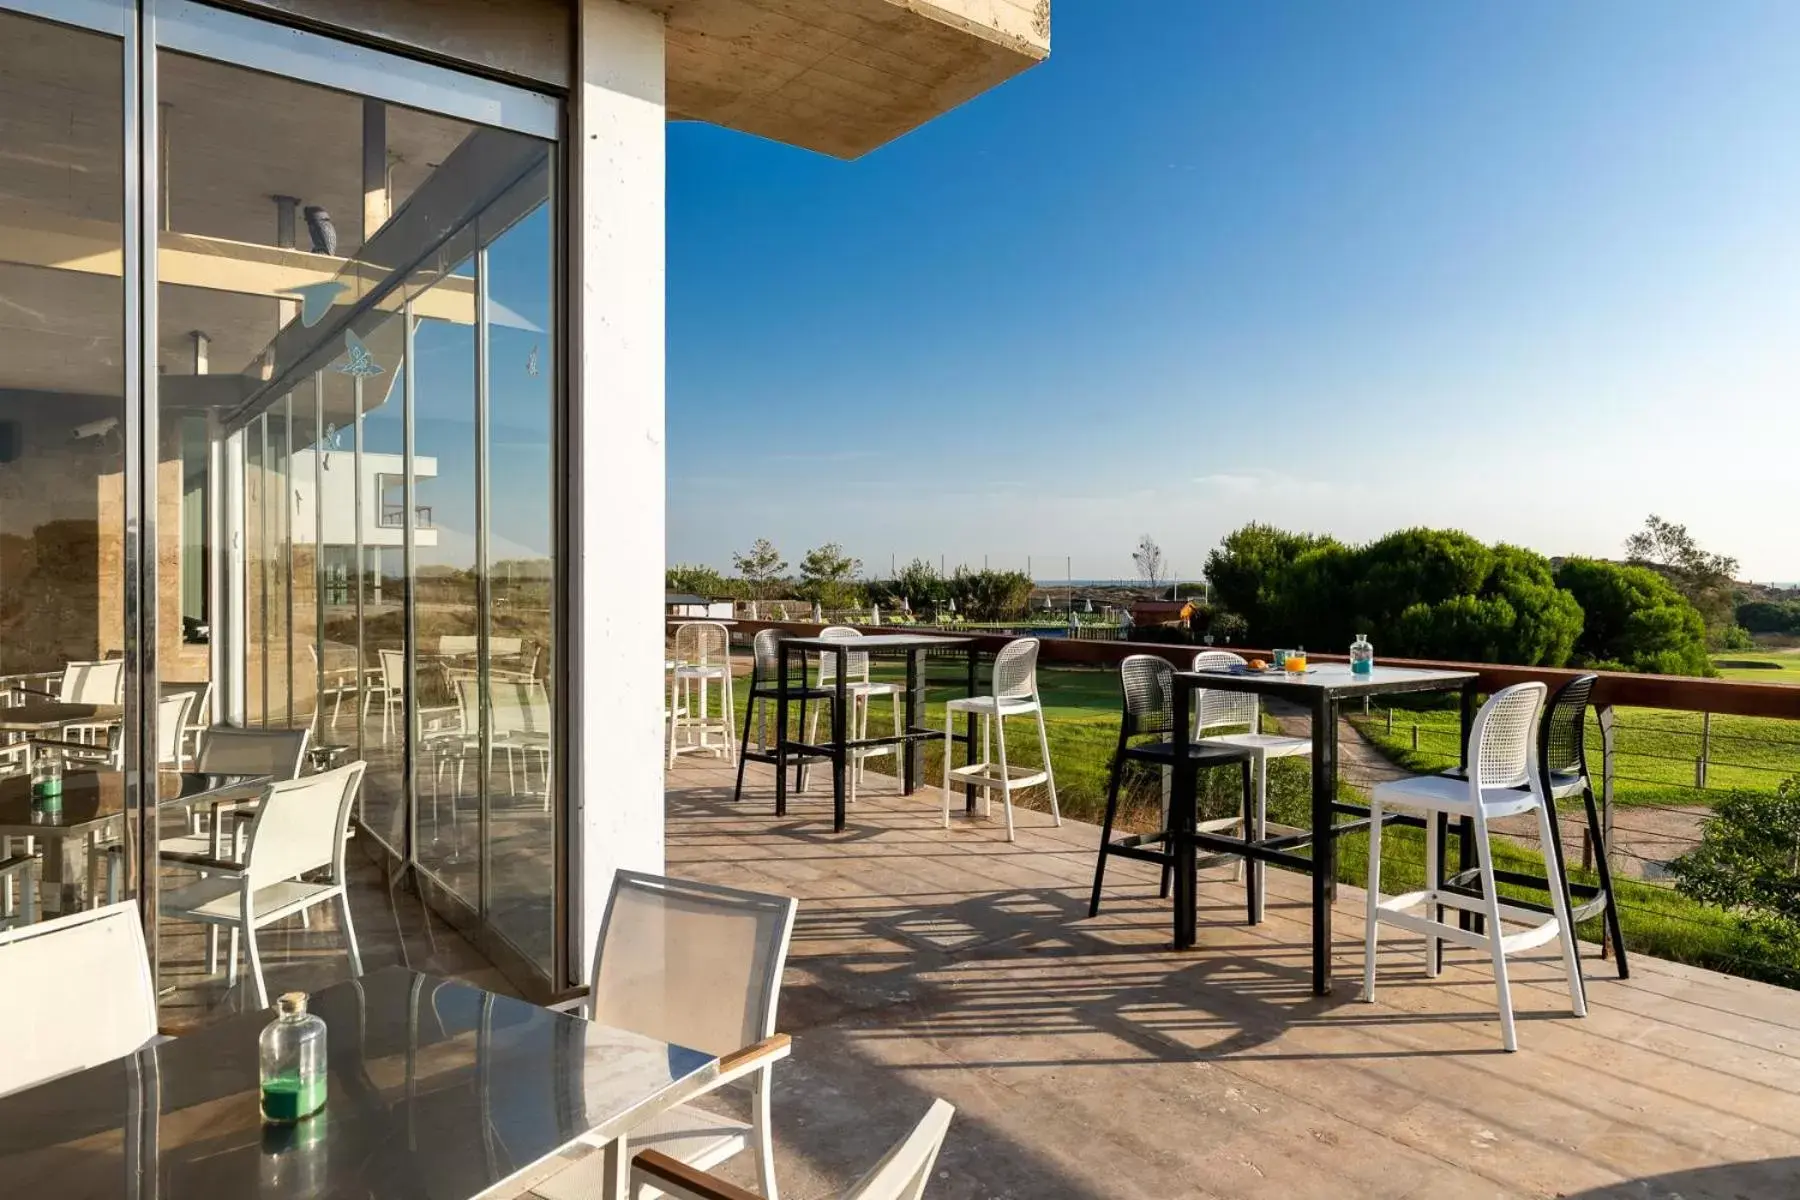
(617, 502)
(339, 480)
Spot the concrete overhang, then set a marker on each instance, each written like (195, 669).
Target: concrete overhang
(837, 76)
(842, 76)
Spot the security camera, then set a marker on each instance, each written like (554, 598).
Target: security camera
(96, 429)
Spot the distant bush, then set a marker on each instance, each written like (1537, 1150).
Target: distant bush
(1769, 616)
(1734, 637)
(1634, 620)
(1424, 593)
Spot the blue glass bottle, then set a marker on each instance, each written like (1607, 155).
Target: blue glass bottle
(1362, 656)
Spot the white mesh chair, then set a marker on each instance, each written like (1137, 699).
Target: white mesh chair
(278, 753)
(1012, 693)
(1216, 711)
(96, 682)
(901, 1174)
(391, 692)
(695, 965)
(860, 690)
(1503, 782)
(78, 993)
(520, 711)
(299, 829)
(702, 660)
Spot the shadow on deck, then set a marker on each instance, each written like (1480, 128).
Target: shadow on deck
(1087, 1059)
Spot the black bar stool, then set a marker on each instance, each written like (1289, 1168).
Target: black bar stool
(1149, 712)
(765, 690)
(1562, 764)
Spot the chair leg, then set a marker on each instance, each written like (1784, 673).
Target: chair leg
(1372, 908)
(949, 746)
(1168, 792)
(212, 949)
(737, 793)
(1049, 774)
(1246, 870)
(343, 904)
(987, 756)
(1005, 773)
(1495, 934)
(1559, 900)
(763, 1133)
(674, 717)
(256, 971)
(728, 715)
(1597, 837)
(231, 965)
(1106, 825)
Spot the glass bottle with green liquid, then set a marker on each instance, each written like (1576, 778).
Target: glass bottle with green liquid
(291, 1053)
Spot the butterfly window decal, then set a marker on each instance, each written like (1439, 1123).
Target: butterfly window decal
(361, 364)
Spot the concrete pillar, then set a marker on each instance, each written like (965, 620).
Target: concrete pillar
(616, 505)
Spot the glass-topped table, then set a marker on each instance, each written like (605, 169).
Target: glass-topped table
(437, 1091)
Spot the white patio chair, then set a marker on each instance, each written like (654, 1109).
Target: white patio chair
(901, 1174)
(199, 716)
(78, 993)
(96, 682)
(391, 691)
(1216, 710)
(1012, 692)
(336, 682)
(1504, 782)
(224, 750)
(702, 658)
(696, 965)
(521, 719)
(859, 691)
(299, 828)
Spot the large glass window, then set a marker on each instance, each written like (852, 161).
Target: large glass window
(62, 465)
(355, 306)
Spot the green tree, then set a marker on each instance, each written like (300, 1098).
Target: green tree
(986, 595)
(1769, 616)
(760, 567)
(696, 580)
(1633, 619)
(1245, 572)
(1706, 579)
(1748, 862)
(918, 584)
(828, 576)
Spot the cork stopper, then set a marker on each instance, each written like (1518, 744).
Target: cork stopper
(291, 1004)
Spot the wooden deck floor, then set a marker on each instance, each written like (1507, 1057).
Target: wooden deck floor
(1087, 1060)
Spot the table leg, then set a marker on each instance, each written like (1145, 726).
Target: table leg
(839, 734)
(970, 683)
(62, 874)
(781, 728)
(1181, 823)
(1324, 856)
(913, 753)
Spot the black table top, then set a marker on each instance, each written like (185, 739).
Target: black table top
(878, 641)
(1333, 680)
(437, 1091)
(92, 798)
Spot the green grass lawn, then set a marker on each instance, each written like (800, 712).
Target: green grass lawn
(1783, 666)
(1082, 723)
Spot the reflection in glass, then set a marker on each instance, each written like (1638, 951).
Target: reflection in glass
(62, 437)
(356, 519)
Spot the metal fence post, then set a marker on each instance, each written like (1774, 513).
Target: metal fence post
(1705, 750)
(1415, 736)
(1390, 720)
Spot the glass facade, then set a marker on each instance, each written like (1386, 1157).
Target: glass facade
(343, 454)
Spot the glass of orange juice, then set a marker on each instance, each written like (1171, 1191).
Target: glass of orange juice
(1296, 660)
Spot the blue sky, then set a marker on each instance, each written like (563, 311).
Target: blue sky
(1529, 269)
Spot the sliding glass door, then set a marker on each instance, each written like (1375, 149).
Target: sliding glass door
(286, 309)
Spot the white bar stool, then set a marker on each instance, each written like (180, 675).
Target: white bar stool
(1012, 692)
(702, 658)
(1503, 781)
